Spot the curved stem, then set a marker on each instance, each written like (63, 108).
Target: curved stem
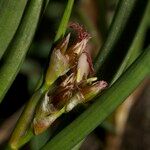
(135, 48)
(19, 46)
(118, 24)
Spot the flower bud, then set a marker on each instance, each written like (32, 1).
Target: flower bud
(58, 66)
(63, 45)
(59, 63)
(45, 115)
(85, 94)
(91, 91)
(64, 58)
(72, 64)
(41, 124)
(74, 101)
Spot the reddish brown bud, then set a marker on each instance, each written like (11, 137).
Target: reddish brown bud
(91, 91)
(73, 66)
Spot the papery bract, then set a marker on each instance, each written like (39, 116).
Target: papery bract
(72, 65)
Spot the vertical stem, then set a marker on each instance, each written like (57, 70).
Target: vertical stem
(64, 22)
(25, 119)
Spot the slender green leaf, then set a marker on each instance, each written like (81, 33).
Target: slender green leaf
(103, 106)
(19, 46)
(139, 40)
(11, 12)
(118, 24)
(64, 22)
(136, 46)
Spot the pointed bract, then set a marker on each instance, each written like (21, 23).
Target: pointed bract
(72, 64)
(63, 45)
(58, 66)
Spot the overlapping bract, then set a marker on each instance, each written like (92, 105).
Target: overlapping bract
(72, 65)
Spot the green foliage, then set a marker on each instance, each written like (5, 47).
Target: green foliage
(10, 16)
(17, 33)
(118, 24)
(27, 114)
(135, 48)
(19, 46)
(64, 22)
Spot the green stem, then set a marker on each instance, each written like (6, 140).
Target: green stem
(64, 22)
(23, 140)
(19, 46)
(104, 105)
(135, 49)
(25, 119)
(118, 24)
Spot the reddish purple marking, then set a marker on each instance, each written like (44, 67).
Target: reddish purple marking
(81, 32)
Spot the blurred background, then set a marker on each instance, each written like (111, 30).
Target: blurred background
(128, 128)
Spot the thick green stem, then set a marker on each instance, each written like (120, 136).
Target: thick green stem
(19, 46)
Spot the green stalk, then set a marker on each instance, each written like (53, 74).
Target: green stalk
(21, 134)
(139, 37)
(64, 21)
(24, 122)
(19, 46)
(120, 19)
(23, 130)
(11, 12)
(135, 48)
(104, 105)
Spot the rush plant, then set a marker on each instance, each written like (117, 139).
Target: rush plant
(70, 77)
